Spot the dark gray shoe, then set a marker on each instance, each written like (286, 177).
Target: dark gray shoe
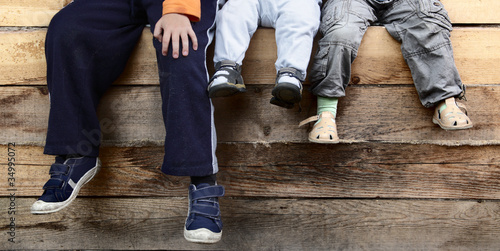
(227, 80)
(288, 88)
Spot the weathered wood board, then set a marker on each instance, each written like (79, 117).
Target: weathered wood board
(476, 50)
(473, 11)
(29, 12)
(368, 170)
(22, 58)
(395, 182)
(262, 224)
(133, 116)
(39, 12)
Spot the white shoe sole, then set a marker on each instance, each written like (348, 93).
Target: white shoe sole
(202, 235)
(42, 207)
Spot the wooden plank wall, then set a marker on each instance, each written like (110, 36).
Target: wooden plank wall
(395, 182)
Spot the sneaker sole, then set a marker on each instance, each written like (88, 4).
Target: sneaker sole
(225, 90)
(42, 207)
(288, 93)
(202, 235)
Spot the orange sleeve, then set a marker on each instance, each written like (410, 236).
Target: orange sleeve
(190, 8)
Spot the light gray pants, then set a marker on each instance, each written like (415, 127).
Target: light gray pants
(295, 21)
(423, 28)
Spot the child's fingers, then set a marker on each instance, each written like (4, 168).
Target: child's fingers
(175, 45)
(185, 44)
(194, 39)
(164, 45)
(158, 33)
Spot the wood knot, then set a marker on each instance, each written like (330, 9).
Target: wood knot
(43, 90)
(355, 80)
(267, 130)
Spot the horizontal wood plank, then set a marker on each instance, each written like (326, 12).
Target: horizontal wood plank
(395, 182)
(22, 58)
(473, 11)
(477, 51)
(262, 224)
(29, 13)
(39, 13)
(368, 170)
(132, 116)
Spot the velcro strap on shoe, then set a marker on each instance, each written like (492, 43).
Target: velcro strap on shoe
(292, 72)
(58, 168)
(205, 210)
(309, 120)
(208, 192)
(53, 183)
(232, 72)
(228, 63)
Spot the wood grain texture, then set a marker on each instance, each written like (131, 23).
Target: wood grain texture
(263, 224)
(395, 182)
(39, 13)
(22, 58)
(473, 11)
(29, 13)
(476, 50)
(132, 116)
(368, 170)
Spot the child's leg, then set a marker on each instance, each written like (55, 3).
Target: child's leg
(236, 22)
(327, 105)
(87, 47)
(190, 139)
(325, 129)
(426, 47)
(296, 23)
(188, 114)
(343, 25)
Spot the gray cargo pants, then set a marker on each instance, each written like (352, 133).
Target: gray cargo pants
(423, 28)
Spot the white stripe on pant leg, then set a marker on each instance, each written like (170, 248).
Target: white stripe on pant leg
(215, 165)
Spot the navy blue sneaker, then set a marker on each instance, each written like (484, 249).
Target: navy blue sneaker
(67, 176)
(203, 224)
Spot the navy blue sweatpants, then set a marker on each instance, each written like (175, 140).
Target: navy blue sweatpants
(87, 47)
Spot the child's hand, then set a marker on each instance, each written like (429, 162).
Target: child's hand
(172, 27)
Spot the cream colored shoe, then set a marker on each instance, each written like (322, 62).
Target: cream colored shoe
(324, 130)
(453, 117)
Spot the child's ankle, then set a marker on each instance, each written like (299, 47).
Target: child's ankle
(326, 104)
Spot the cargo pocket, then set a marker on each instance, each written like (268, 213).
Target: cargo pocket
(433, 11)
(319, 64)
(332, 12)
